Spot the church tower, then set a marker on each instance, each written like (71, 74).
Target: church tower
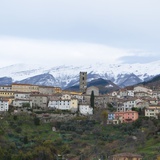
(83, 81)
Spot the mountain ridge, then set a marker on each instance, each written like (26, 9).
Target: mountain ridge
(68, 75)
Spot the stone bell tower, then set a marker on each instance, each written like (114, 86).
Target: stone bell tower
(83, 81)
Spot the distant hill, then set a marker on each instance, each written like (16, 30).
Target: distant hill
(5, 81)
(128, 79)
(42, 79)
(154, 82)
(105, 86)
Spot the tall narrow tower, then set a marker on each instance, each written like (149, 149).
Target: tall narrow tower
(83, 81)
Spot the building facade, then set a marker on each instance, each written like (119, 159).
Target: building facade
(152, 111)
(127, 116)
(6, 93)
(94, 89)
(85, 109)
(19, 103)
(39, 101)
(21, 95)
(5, 88)
(4, 105)
(25, 87)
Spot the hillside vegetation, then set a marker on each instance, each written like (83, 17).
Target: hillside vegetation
(25, 137)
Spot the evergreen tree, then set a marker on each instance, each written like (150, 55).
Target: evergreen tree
(92, 100)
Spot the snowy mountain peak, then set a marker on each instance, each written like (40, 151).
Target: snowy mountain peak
(63, 75)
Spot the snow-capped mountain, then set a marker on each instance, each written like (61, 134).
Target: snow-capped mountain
(65, 76)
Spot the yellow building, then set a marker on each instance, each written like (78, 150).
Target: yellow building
(57, 90)
(6, 93)
(74, 103)
(25, 87)
(75, 93)
(71, 92)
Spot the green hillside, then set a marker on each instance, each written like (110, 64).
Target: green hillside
(24, 137)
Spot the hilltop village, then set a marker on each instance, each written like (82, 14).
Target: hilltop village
(122, 106)
(46, 122)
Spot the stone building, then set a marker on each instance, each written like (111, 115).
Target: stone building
(83, 81)
(94, 89)
(127, 156)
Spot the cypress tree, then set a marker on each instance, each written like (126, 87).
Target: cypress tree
(92, 100)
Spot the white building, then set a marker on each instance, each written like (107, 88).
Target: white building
(152, 112)
(4, 105)
(85, 109)
(142, 89)
(21, 95)
(53, 103)
(21, 102)
(129, 104)
(5, 88)
(60, 104)
(63, 104)
(130, 93)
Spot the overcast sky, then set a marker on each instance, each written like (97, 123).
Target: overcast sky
(75, 32)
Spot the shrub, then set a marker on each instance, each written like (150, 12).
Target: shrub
(15, 117)
(19, 123)
(10, 135)
(58, 142)
(25, 140)
(79, 131)
(18, 129)
(36, 121)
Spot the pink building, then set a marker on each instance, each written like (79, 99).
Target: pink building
(127, 116)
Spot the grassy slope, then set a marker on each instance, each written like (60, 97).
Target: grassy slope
(80, 137)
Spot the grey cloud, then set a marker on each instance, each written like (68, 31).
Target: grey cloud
(138, 59)
(126, 24)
